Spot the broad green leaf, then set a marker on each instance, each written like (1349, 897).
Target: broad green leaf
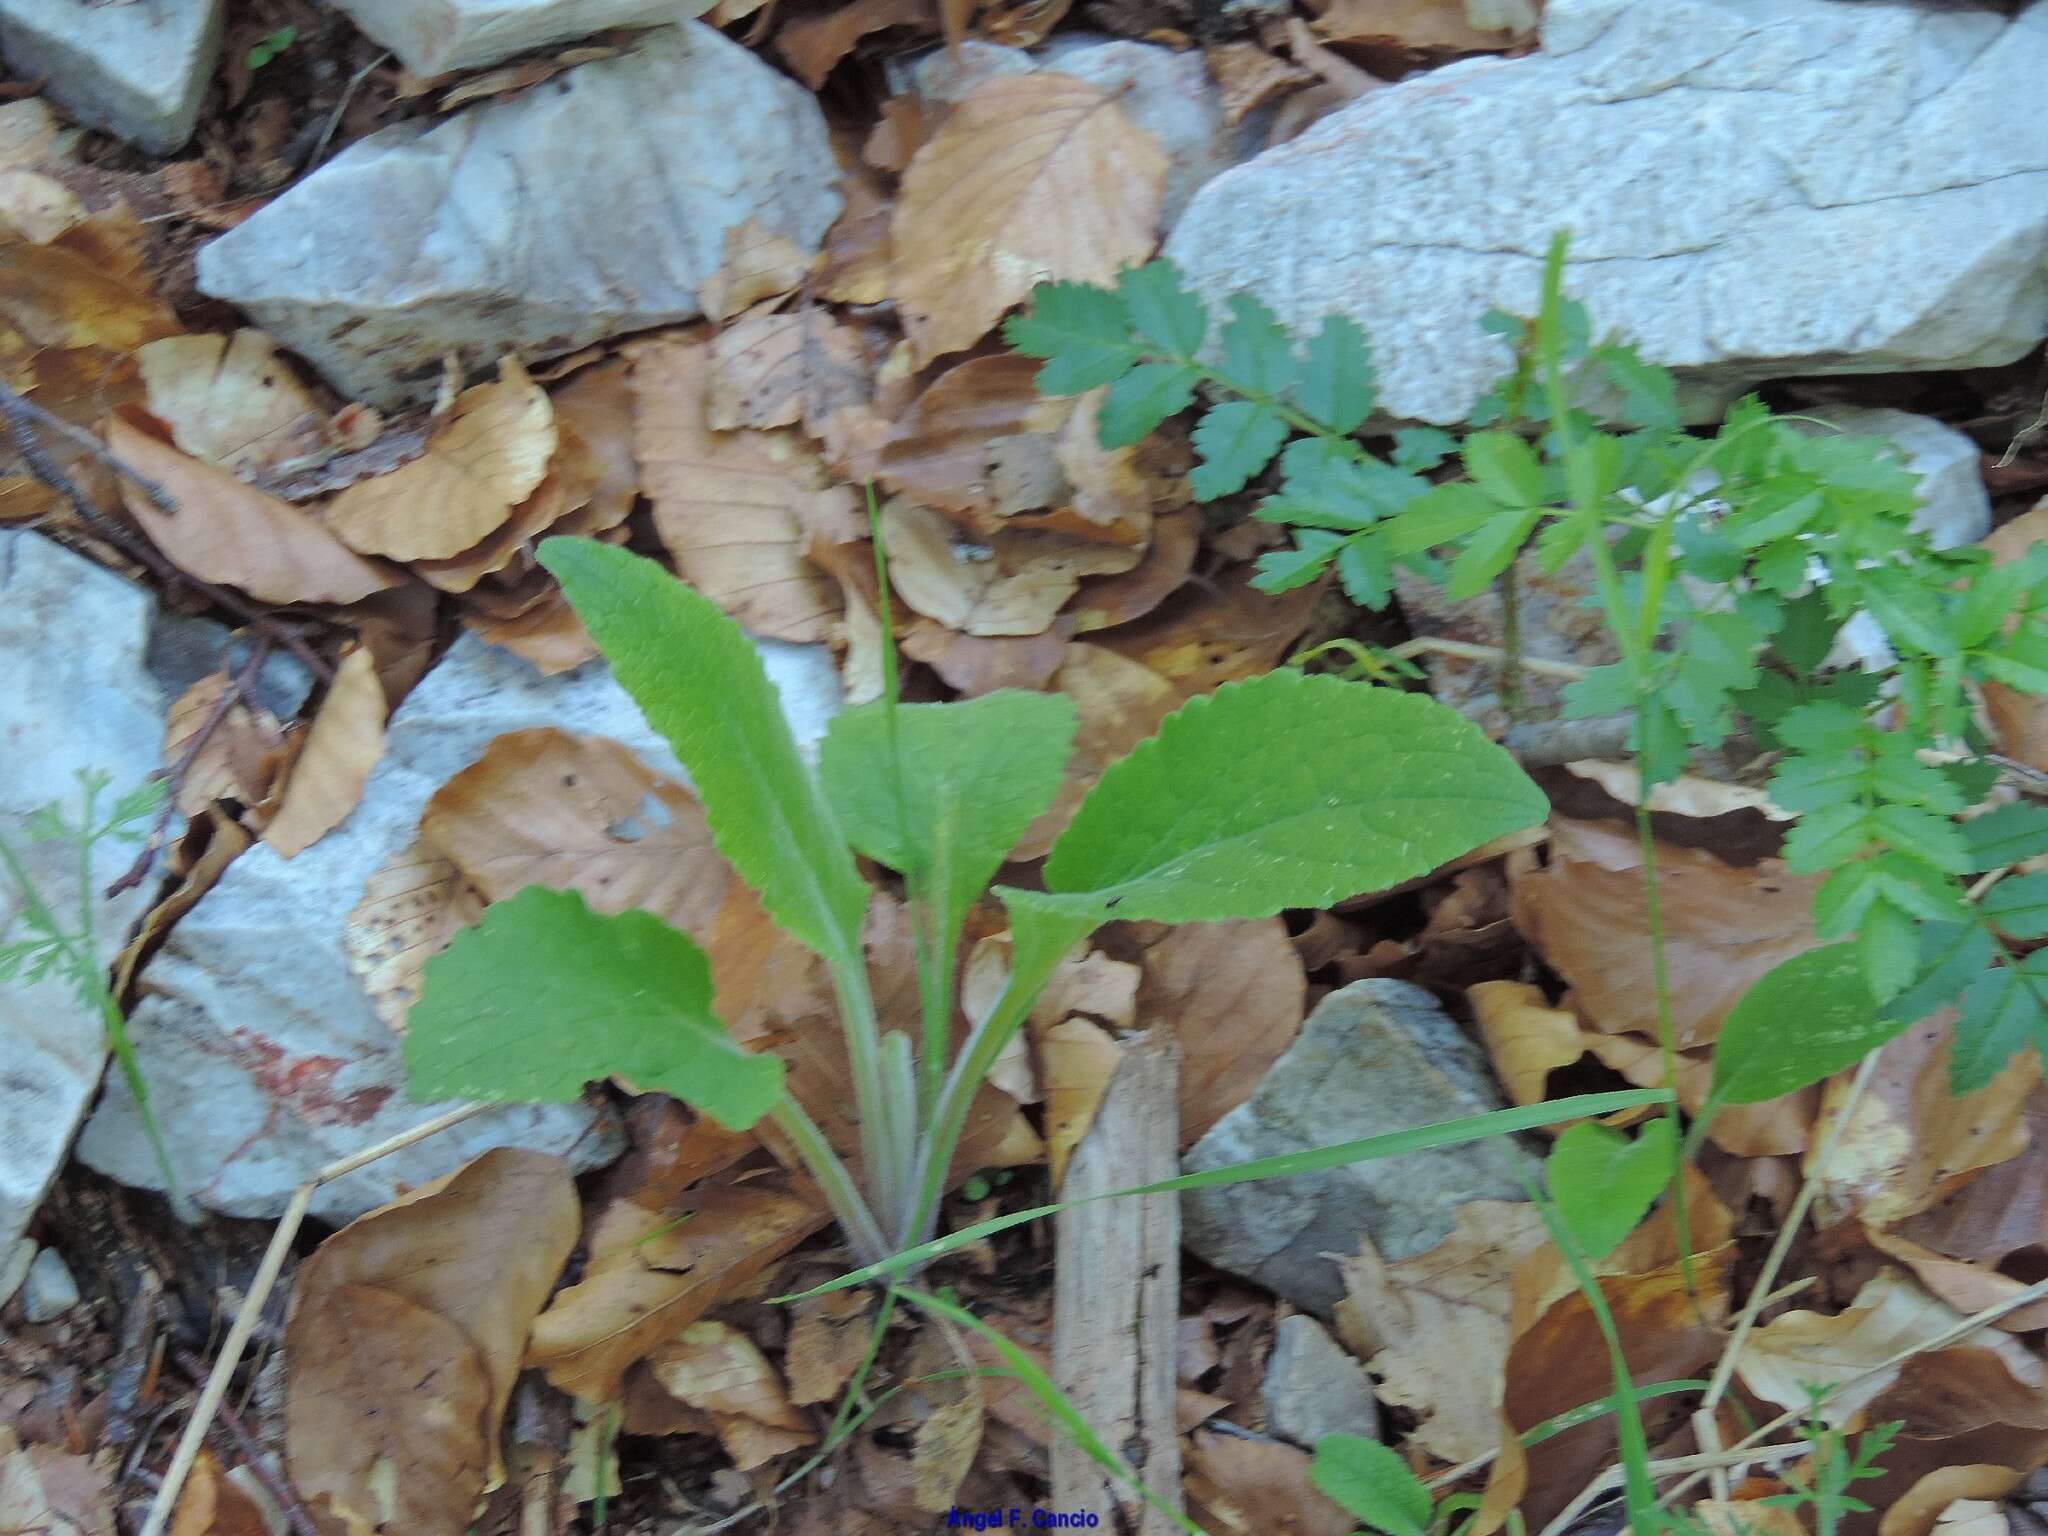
(1141, 399)
(2019, 906)
(1082, 333)
(1333, 382)
(1438, 516)
(1803, 1020)
(1505, 468)
(1162, 311)
(975, 774)
(1926, 836)
(1490, 551)
(1602, 1183)
(1604, 690)
(1235, 440)
(545, 995)
(1257, 354)
(1371, 1483)
(2005, 1011)
(1419, 448)
(1423, 1138)
(1356, 788)
(697, 678)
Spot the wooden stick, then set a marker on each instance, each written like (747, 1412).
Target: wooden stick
(1116, 1294)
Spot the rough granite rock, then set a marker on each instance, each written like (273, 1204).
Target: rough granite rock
(137, 70)
(1168, 94)
(1755, 188)
(432, 37)
(263, 1052)
(1374, 1057)
(592, 204)
(77, 698)
(1315, 1387)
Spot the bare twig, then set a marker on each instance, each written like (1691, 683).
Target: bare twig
(1461, 650)
(27, 421)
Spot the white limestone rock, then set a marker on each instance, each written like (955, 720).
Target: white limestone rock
(433, 37)
(137, 70)
(1754, 188)
(592, 204)
(265, 1058)
(49, 1291)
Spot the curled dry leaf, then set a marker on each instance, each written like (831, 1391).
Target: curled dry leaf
(1988, 1220)
(234, 535)
(1014, 585)
(827, 1339)
(979, 443)
(573, 477)
(1968, 1288)
(859, 256)
(1076, 1059)
(1034, 176)
(406, 1335)
(597, 406)
(1238, 1486)
(812, 45)
(978, 664)
(1954, 1501)
(1212, 632)
(1248, 77)
(232, 401)
(1746, 1517)
(735, 510)
(217, 1503)
(342, 747)
(1438, 26)
(238, 759)
(715, 1368)
(548, 635)
(1723, 927)
(758, 264)
(487, 458)
(1890, 1316)
(1106, 601)
(943, 1452)
(1434, 1327)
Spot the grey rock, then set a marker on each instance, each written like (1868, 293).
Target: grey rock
(49, 1291)
(1955, 509)
(76, 698)
(1754, 188)
(15, 1259)
(137, 70)
(265, 1058)
(1315, 1387)
(1374, 1057)
(1168, 94)
(592, 204)
(432, 37)
(184, 648)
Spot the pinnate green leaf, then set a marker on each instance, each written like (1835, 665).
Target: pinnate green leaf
(2006, 834)
(1504, 467)
(1235, 440)
(1371, 1483)
(696, 677)
(2005, 1011)
(1143, 398)
(2019, 906)
(975, 774)
(1358, 788)
(1083, 333)
(1803, 1020)
(1603, 1183)
(1161, 309)
(545, 995)
(1257, 354)
(1282, 570)
(1334, 380)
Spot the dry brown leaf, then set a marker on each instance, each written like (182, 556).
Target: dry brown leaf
(900, 131)
(943, 1452)
(487, 458)
(384, 1416)
(46, 1491)
(1990, 1219)
(1106, 601)
(1410, 1318)
(979, 443)
(1960, 1407)
(859, 256)
(572, 478)
(346, 739)
(654, 1271)
(773, 369)
(828, 1337)
(757, 264)
(1890, 1314)
(1525, 1037)
(812, 45)
(1076, 1059)
(1015, 585)
(549, 636)
(1910, 1144)
(232, 401)
(1034, 176)
(1774, 1128)
(1686, 795)
(1215, 631)
(1746, 1517)
(734, 510)
(1967, 1287)
(68, 293)
(1723, 927)
(1248, 77)
(1446, 26)
(412, 906)
(1117, 703)
(214, 1504)
(2019, 720)
(1953, 1501)
(237, 536)
(978, 664)
(239, 757)
(718, 1370)
(597, 406)
(1244, 1487)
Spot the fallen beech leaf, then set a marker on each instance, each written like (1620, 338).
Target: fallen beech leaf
(1969, 1288)
(1988, 1220)
(1244, 1487)
(237, 536)
(1434, 1327)
(412, 905)
(1686, 795)
(1723, 928)
(757, 264)
(1526, 1038)
(781, 370)
(859, 256)
(1106, 601)
(1211, 633)
(597, 406)
(1960, 1407)
(812, 45)
(385, 1413)
(1746, 1517)
(1889, 1315)
(1118, 703)
(487, 458)
(1910, 1143)
(1953, 1501)
(236, 761)
(45, 1491)
(978, 664)
(942, 1453)
(573, 477)
(1233, 995)
(734, 510)
(66, 293)
(1248, 77)
(1437, 25)
(1034, 176)
(652, 1272)
(979, 442)
(213, 1504)
(1076, 1059)
(342, 747)
(550, 636)
(231, 401)
(718, 1370)
(827, 1341)
(1016, 585)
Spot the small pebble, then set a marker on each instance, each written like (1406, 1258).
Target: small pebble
(50, 1291)
(1314, 1387)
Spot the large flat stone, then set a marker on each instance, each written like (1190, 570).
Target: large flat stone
(265, 1058)
(432, 37)
(1754, 188)
(137, 70)
(77, 699)
(592, 204)
(1374, 1057)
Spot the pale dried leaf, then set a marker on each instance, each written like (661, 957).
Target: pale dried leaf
(942, 1452)
(412, 905)
(549, 636)
(1438, 25)
(231, 401)
(716, 1369)
(827, 1340)
(782, 370)
(239, 757)
(1014, 585)
(980, 442)
(1248, 77)
(572, 479)
(758, 264)
(343, 746)
(1076, 1059)
(46, 1491)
